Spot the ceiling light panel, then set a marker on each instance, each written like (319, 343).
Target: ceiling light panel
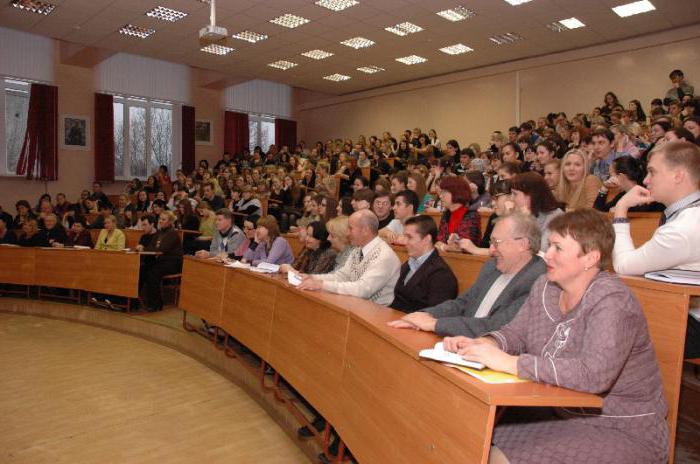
(166, 14)
(458, 13)
(634, 8)
(337, 77)
(216, 49)
(282, 64)
(517, 2)
(337, 5)
(404, 29)
(317, 54)
(34, 6)
(565, 25)
(371, 69)
(289, 20)
(456, 49)
(136, 31)
(358, 42)
(411, 59)
(249, 36)
(505, 39)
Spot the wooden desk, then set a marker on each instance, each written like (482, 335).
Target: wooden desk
(362, 375)
(666, 309)
(294, 243)
(18, 265)
(642, 226)
(112, 273)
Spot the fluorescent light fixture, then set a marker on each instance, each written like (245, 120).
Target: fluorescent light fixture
(337, 5)
(565, 25)
(517, 2)
(337, 77)
(249, 36)
(411, 59)
(505, 39)
(371, 69)
(458, 13)
(572, 23)
(34, 6)
(216, 49)
(166, 14)
(358, 42)
(456, 49)
(404, 29)
(282, 64)
(317, 54)
(630, 9)
(136, 31)
(289, 20)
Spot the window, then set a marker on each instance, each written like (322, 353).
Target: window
(143, 137)
(14, 100)
(261, 132)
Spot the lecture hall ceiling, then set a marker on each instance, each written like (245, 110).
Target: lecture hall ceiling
(467, 43)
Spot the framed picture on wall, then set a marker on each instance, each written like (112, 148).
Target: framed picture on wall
(203, 130)
(75, 132)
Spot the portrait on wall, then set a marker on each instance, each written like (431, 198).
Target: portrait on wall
(203, 132)
(75, 132)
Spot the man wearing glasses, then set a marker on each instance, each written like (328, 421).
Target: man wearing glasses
(500, 290)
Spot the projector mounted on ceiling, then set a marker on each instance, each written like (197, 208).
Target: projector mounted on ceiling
(212, 33)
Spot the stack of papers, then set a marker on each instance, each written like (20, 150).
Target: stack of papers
(675, 276)
(238, 265)
(293, 279)
(438, 353)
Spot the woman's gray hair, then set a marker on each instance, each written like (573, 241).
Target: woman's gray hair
(525, 225)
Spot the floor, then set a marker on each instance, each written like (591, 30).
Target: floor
(73, 393)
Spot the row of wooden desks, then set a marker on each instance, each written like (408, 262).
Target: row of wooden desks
(362, 375)
(108, 272)
(315, 338)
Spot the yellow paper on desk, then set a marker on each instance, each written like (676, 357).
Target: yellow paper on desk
(489, 376)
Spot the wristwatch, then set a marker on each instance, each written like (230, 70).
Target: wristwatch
(620, 220)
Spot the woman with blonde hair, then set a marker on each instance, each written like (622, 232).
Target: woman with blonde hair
(30, 236)
(577, 189)
(338, 236)
(110, 237)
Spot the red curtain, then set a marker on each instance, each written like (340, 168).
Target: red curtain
(104, 138)
(39, 156)
(286, 133)
(235, 132)
(187, 139)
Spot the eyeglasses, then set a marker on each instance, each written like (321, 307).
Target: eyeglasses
(498, 242)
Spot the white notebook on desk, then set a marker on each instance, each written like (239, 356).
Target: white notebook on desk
(675, 276)
(438, 353)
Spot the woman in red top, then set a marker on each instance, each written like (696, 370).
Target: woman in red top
(457, 221)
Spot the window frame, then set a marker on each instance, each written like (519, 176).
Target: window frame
(129, 101)
(260, 118)
(13, 85)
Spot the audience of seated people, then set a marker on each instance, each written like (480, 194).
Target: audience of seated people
(529, 176)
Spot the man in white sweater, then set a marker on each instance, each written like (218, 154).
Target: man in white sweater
(370, 272)
(673, 179)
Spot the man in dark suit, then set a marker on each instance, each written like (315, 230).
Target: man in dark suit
(425, 279)
(500, 290)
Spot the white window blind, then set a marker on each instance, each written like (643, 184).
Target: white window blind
(260, 97)
(133, 75)
(26, 56)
